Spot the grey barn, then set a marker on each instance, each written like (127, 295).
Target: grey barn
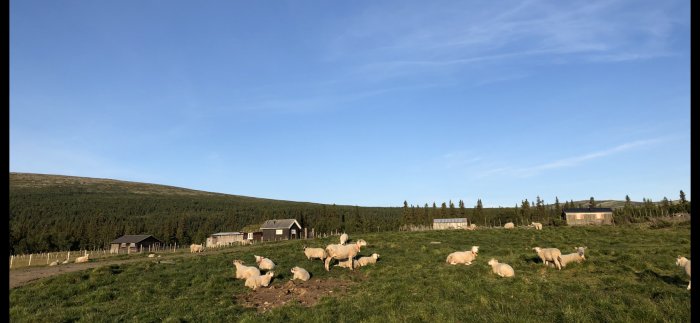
(281, 229)
(134, 243)
(583, 216)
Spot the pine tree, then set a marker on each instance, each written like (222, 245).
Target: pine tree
(452, 209)
(443, 210)
(591, 203)
(684, 203)
(479, 209)
(462, 211)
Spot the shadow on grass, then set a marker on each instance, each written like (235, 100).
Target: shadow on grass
(648, 274)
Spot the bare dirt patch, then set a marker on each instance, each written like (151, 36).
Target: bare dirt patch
(306, 293)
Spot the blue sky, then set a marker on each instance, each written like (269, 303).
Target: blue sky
(365, 103)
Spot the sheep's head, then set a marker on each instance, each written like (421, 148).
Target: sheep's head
(492, 262)
(361, 242)
(237, 262)
(680, 261)
(537, 249)
(270, 273)
(475, 249)
(294, 270)
(258, 258)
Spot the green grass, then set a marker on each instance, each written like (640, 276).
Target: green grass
(630, 276)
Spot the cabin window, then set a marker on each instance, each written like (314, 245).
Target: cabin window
(133, 244)
(250, 236)
(294, 231)
(278, 232)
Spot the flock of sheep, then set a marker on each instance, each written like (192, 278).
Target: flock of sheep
(550, 256)
(343, 252)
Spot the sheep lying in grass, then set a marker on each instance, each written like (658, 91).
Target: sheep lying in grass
(549, 254)
(343, 238)
(463, 257)
(509, 225)
(341, 252)
(471, 227)
(364, 261)
(685, 263)
(243, 271)
(346, 264)
(82, 259)
(152, 255)
(196, 248)
(54, 263)
(264, 263)
(577, 256)
(503, 270)
(300, 273)
(313, 253)
(537, 225)
(260, 280)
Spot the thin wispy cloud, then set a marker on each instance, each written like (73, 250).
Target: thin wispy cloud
(568, 162)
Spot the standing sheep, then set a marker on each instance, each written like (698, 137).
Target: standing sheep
(503, 270)
(537, 225)
(300, 273)
(264, 263)
(340, 252)
(343, 238)
(549, 254)
(196, 248)
(685, 263)
(364, 261)
(260, 280)
(463, 257)
(509, 225)
(244, 272)
(312, 253)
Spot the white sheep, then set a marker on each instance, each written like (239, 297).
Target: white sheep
(463, 257)
(346, 264)
(243, 271)
(471, 227)
(549, 254)
(300, 273)
(340, 252)
(343, 238)
(577, 256)
(503, 270)
(364, 261)
(509, 225)
(537, 225)
(82, 259)
(685, 263)
(312, 253)
(260, 280)
(54, 263)
(196, 248)
(152, 255)
(264, 263)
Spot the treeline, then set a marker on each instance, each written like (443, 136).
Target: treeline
(45, 216)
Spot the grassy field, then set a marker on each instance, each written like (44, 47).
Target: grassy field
(630, 276)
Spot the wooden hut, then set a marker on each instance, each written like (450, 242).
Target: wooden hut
(281, 229)
(224, 239)
(584, 216)
(455, 223)
(134, 243)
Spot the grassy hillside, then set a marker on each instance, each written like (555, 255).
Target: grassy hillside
(630, 276)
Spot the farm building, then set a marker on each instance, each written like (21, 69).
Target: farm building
(281, 229)
(456, 223)
(254, 236)
(582, 216)
(224, 239)
(134, 243)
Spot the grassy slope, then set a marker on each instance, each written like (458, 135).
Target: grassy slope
(630, 276)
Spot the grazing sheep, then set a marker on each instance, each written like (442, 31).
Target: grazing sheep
(339, 252)
(364, 261)
(300, 273)
(577, 256)
(82, 259)
(685, 263)
(343, 238)
(245, 272)
(537, 225)
(509, 225)
(260, 280)
(549, 254)
(196, 248)
(264, 263)
(503, 270)
(312, 253)
(463, 257)
(54, 263)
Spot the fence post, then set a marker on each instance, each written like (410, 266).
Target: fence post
(12, 258)
(30, 260)
(48, 255)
